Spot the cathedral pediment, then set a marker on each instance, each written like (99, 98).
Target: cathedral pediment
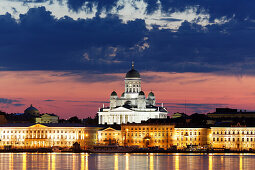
(121, 109)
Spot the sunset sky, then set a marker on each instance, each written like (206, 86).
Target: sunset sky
(67, 56)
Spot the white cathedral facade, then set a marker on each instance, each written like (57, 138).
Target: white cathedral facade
(132, 105)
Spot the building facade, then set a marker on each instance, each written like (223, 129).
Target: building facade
(47, 118)
(233, 138)
(191, 137)
(110, 136)
(132, 105)
(46, 136)
(148, 135)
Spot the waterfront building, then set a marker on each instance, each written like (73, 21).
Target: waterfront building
(47, 118)
(132, 105)
(185, 137)
(33, 136)
(233, 138)
(110, 136)
(146, 135)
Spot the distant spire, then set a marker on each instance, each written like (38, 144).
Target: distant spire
(133, 64)
(31, 105)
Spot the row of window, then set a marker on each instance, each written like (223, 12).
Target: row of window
(143, 134)
(110, 134)
(234, 139)
(147, 129)
(141, 141)
(40, 131)
(31, 143)
(189, 139)
(39, 137)
(233, 132)
(191, 133)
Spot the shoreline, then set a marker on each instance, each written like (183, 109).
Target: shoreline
(87, 151)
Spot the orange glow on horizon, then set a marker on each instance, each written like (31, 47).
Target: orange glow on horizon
(68, 95)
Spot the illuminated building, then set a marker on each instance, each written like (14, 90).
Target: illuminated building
(132, 105)
(233, 138)
(47, 118)
(193, 137)
(148, 135)
(46, 135)
(110, 136)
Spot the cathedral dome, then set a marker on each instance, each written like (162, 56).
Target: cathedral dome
(114, 93)
(32, 110)
(133, 73)
(141, 93)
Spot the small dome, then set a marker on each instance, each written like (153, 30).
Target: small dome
(141, 93)
(151, 94)
(123, 94)
(31, 110)
(114, 93)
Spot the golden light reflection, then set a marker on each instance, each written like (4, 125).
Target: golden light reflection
(87, 161)
(53, 161)
(127, 161)
(241, 163)
(177, 162)
(151, 162)
(74, 161)
(11, 161)
(24, 161)
(210, 162)
(82, 161)
(116, 159)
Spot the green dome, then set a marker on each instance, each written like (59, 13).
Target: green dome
(114, 93)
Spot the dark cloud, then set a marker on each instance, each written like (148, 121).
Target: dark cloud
(7, 102)
(39, 41)
(49, 100)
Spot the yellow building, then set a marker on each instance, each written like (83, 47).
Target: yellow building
(110, 136)
(191, 137)
(148, 135)
(46, 136)
(233, 138)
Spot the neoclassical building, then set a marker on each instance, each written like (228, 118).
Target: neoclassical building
(33, 136)
(132, 106)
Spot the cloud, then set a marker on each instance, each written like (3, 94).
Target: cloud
(42, 42)
(107, 45)
(12, 102)
(49, 100)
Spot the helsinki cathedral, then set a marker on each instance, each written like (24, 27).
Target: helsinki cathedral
(132, 105)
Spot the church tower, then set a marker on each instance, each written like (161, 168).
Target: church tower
(132, 83)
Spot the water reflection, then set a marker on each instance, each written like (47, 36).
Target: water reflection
(127, 161)
(176, 160)
(24, 161)
(116, 162)
(241, 163)
(85, 161)
(151, 161)
(210, 161)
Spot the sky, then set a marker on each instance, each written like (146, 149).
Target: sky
(67, 56)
